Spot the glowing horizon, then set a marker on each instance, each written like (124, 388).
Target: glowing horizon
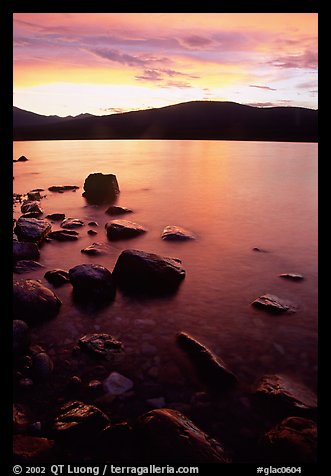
(100, 63)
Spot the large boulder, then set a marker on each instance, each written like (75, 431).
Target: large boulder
(210, 367)
(33, 302)
(138, 271)
(25, 251)
(167, 436)
(293, 440)
(32, 229)
(92, 282)
(100, 187)
(121, 229)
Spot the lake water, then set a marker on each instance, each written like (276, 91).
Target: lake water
(234, 196)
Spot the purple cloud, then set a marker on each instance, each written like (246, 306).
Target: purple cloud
(262, 87)
(306, 60)
(150, 75)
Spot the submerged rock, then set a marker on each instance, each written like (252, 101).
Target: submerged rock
(272, 303)
(33, 302)
(120, 229)
(64, 235)
(169, 436)
(293, 440)
(101, 345)
(177, 233)
(95, 249)
(31, 449)
(210, 367)
(116, 384)
(100, 187)
(92, 281)
(292, 276)
(25, 251)
(57, 277)
(32, 229)
(31, 206)
(71, 223)
(62, 188)
(117, 210)
(147, 272)
(21, 159)
(26, 265)
(21, 336)
(79, 422)
(56, 216)
(284, 394)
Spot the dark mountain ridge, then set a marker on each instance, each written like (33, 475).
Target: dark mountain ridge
(209, 120)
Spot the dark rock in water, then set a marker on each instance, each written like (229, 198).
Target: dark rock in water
(147, 272)
(31, 206)
(272, 303)
(34, 195)
(176, 233)
(56, 216)
(93, 223)
(33, 302)
(57, 277)
(31, 215)
(260, 250)
(21, 336)
(116, 210)
(32, 449)
(121, 229)
(101, 345)
(62, 188)
(100, 187)
(38, 190)
(21, 159)
(292, 276)
(283, 394)
(168, 436)
(72, 223)
(92, 232)
(78, 422)
(32, 229)
(92, 282)
(42, 366)
(25, 251)
(26, 265)
(64, 235)
(291, 441)
(210, 367)
(95, 249)
(21, 418)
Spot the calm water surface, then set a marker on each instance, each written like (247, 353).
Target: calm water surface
(235, 196)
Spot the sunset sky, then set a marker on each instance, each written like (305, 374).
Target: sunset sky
(104, 63)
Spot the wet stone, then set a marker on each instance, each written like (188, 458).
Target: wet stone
(101, 345)
(21, 336)
(117, 210)
(122, 229)
(21, 418)
(32, 229)
(177, 233)
(96, 249)
(31, 449)
(64, 235)
(292, 276)
(62, 188)
(56, 216)
(42, 366)
(92, 282)
(69, 223)
(34, 195)
(99, 187)
(272, 303)
(25, 266)
(31, 206)
(117, 384)
(92, 232)
(57, 277)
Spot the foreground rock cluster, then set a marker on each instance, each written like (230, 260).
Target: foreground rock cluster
(84, 417)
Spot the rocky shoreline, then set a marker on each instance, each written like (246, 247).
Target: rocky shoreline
(100, 414)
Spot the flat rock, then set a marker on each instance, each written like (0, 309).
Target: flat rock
(34, 195)
(285, 394)
(64, 235)
(210, 367)
(117, 210)
(117, 384)
(31, 449)
(291, 276)
(33, 302)
(21, 336)
(78, 421)
(26, 265)
(92, 281)
(62, 188)
(138, 271)
(31, 206)
(96, 249)
(93, 223)
(121, 229)
(32, 229)
(293, 440)
(25, 251)
(103, 346)
(169, 436)
(70, 223)
(57, 277)
(177, 233)
(92, 232)
(99, 187)
(56, 216)
(272, 303)
(31, 214)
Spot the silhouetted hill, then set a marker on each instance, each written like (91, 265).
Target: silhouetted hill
(211, 120)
